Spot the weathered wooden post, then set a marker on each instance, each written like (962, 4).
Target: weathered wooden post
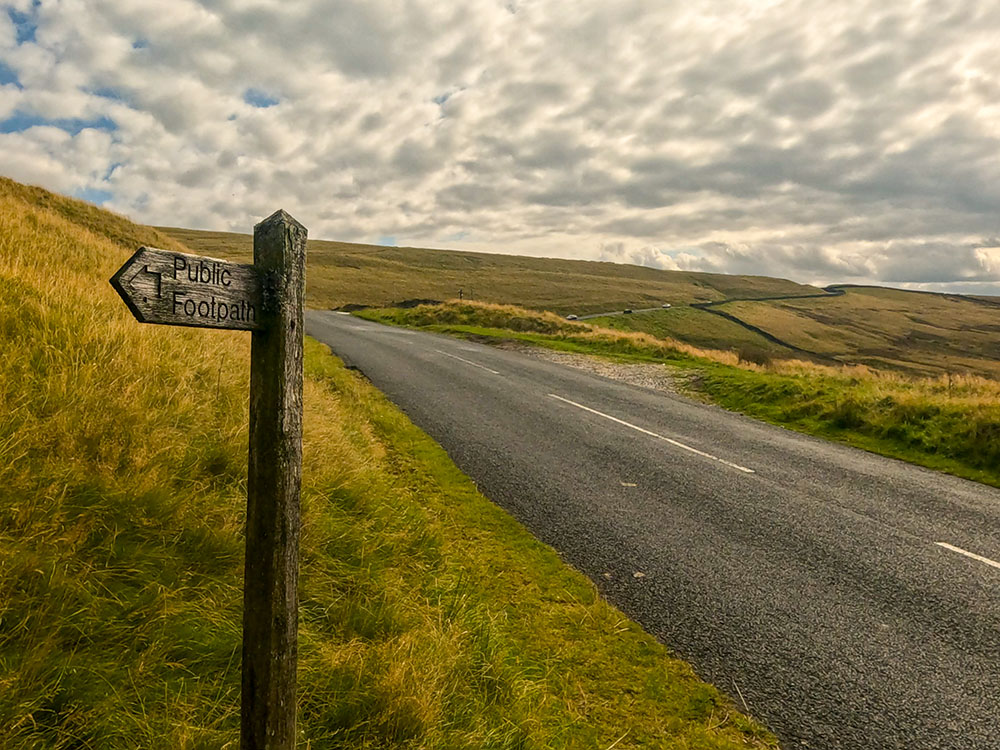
(162, 286)
(270, 593)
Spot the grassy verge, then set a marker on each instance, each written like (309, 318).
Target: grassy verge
(696, 327)
(429, 618)
(545, 328)
(949, 423)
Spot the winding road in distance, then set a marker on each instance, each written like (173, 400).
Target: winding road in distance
(848, 600)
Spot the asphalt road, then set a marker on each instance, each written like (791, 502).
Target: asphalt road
(807, 580)
(613, 313)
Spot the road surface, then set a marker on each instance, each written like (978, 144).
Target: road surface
(848, 600)
(613, 313)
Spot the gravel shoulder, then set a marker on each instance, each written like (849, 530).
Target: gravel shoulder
(657, 377)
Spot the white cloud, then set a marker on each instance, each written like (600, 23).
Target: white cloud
(850, 141)
(988, 259)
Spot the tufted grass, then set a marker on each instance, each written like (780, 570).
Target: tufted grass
(429, 618)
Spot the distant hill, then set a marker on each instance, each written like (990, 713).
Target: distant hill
(893, 329)
(917, 333)
(913, 332)
(342, 273)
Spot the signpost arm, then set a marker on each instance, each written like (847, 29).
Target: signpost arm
(270, 596)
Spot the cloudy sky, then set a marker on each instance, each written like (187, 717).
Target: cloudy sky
(851, 141)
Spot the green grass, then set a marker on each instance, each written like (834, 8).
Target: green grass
(949, 423)
(695, 327)
(429, 618)
(343, 273)
(510, 321)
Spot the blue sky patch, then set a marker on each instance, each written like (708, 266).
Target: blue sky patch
(259, 99)
(25, 24)
(108, 92)
(7, 75)
(140, 44)
(21, 121)
(94, 195)
(386, 241)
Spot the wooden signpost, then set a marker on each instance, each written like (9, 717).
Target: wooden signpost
(161, 286)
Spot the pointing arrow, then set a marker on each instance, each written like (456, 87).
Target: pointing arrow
(160, 286)
(157, 274)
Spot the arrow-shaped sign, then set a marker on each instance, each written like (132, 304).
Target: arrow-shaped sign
(161, 286)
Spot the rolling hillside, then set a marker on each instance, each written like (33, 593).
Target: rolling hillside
(342, 273)
(910, 332)
(916, 332)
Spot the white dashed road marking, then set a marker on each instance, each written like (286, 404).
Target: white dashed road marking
(653, 434)
(468, 362)
(965, 552)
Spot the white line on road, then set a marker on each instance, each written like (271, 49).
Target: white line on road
(653, 434)
(966, 552)
(460, 359)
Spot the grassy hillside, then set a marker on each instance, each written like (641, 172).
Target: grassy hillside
(910, 332)
(697, 327)
(915, 332)
(948, 422)
(343, 273)
(429, 618)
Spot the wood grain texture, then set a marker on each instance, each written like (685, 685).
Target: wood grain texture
(162, 286)
(270, 597)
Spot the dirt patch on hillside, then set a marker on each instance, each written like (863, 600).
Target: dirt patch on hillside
(655, 376)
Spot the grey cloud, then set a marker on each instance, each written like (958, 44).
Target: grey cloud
(358, 38)
(196, 176)
(933, 262)
(801, 99)
(554, 149)
(371, 121)
(412, 158)
(467, 196)
(870, 75)
(771, 260)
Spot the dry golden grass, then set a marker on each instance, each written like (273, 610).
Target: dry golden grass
(522, 320)
(429, 618)
(966, 387)
(890, 329)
